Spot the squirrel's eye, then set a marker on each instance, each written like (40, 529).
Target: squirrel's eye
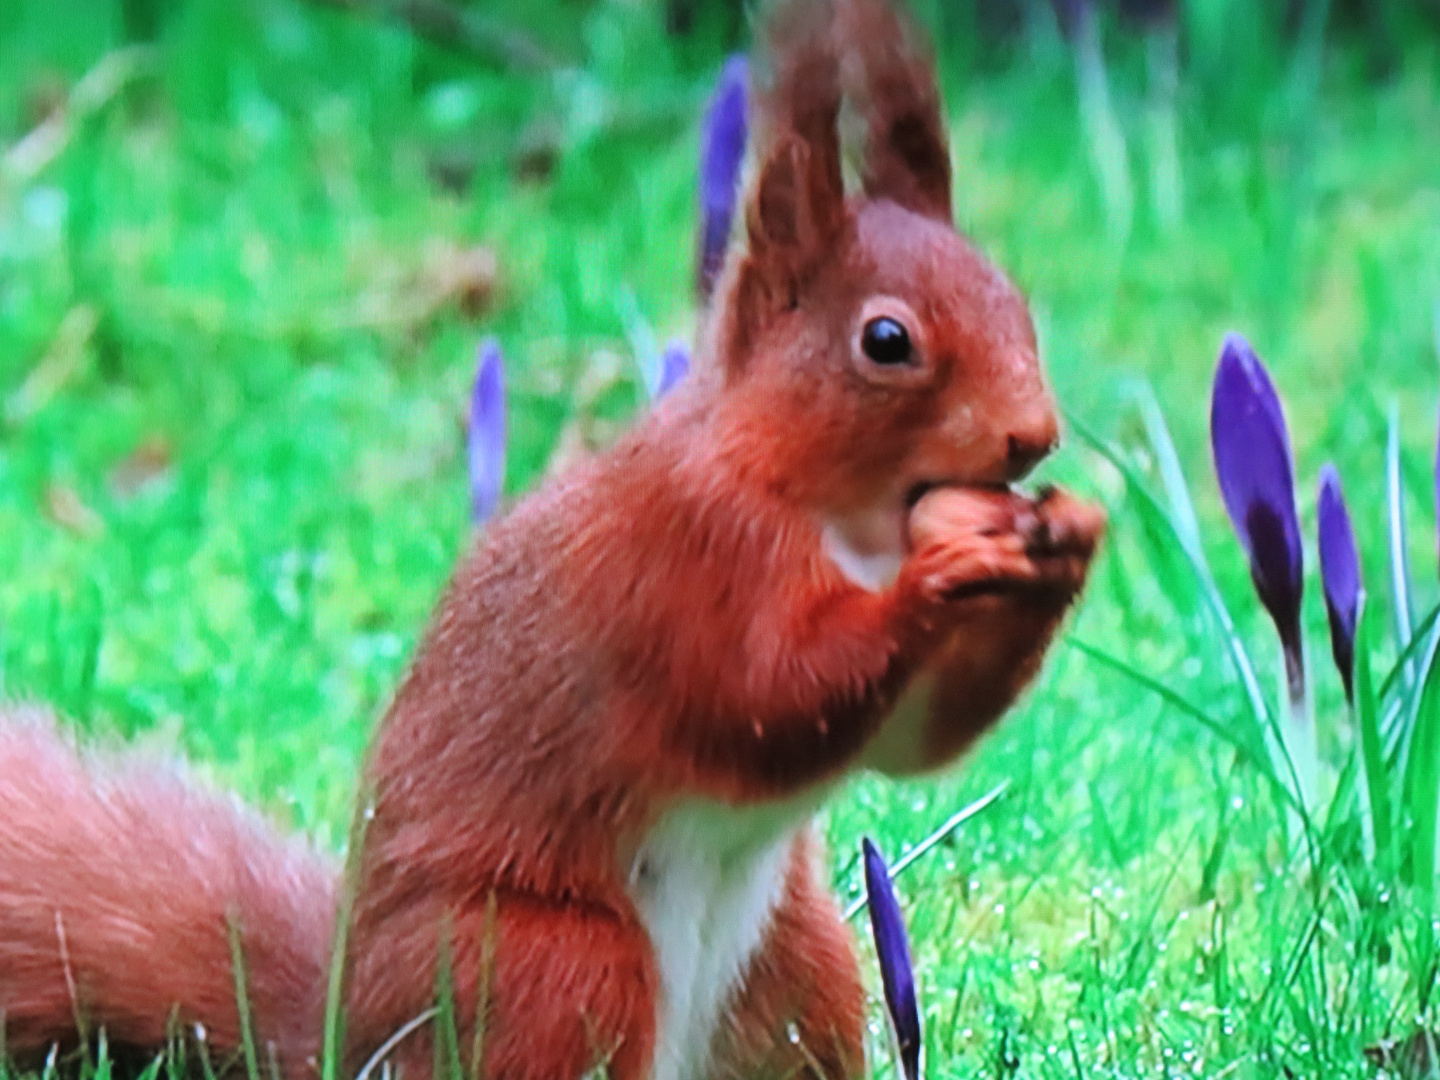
(885, 341)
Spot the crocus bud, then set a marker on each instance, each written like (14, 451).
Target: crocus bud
(674, 366)
(1070, 14)
(1340, 574)
(485, 437)
(1252, 462)
(722, 152)
(1149, 13)
(892, 948)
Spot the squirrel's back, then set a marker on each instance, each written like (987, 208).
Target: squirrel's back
(120, 882)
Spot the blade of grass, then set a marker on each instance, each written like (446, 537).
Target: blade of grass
(97, 88)
(483, 987)
(207, 1068)
(1284, 975)
(1422, 780)
(447, 1037)
(334, 1037)
(1421, 801)
(1407, 656)
(1435, 326)
(82, 1028)
(1265, 719)
(1108, 840)
(1210, 871)
(1177, 492)
(1399, 561)
(1402, 735)
(1238, 654)
(242, 996)
(415, 1023)
(177, 1064)
(1253, 750)
(953, 822)
(103, 1067)
(1138, 962)
(1376, 807)
(1401, 696)
(1346, 791)
(1104, 135)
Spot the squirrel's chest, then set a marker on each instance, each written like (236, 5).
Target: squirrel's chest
(706, 882)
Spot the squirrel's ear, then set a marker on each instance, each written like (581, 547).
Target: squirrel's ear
(892, 76)
(794, 216)
(795, 212)
(797, 206)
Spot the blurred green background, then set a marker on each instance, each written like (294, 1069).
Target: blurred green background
(247, 252)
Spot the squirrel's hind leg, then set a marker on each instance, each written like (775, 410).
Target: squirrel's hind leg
(801, 1004)
(571, 989)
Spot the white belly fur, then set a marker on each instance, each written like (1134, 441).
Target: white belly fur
(706, 882)
(898, 748)
(873, 567)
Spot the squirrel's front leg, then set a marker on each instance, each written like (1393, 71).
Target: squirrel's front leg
(824, 664)
(997, 625)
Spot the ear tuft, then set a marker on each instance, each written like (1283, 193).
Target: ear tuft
(777, 209)
(795, 210)
(798, 202)
(892, 77)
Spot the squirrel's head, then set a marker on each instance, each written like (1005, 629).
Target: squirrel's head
(869, 347)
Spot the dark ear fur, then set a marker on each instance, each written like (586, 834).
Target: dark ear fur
(796, 208)
(795, 213)
(892, 76)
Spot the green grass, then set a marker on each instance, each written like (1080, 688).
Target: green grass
(235, 260)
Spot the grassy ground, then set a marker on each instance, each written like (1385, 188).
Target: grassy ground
(233, 361)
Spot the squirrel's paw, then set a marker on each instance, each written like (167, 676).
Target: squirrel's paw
(971, 542)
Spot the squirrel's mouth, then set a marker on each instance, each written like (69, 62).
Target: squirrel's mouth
(918, 490)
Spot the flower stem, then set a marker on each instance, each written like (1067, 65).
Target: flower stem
(1299, 729)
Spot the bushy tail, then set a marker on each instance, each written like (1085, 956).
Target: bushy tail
(119, 886)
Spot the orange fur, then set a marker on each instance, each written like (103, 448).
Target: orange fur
(681, 629)
(117, 882)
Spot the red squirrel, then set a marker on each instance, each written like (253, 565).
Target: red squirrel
(806, 560)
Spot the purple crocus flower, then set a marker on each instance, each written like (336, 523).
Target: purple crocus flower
(892, 947)
(675, 365)
(1070, 13)
(1252, 461)
(1149, 13)
(722, 152)
(1340, 573)
(485, 437)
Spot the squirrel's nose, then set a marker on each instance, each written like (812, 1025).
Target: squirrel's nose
(1027, 446)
